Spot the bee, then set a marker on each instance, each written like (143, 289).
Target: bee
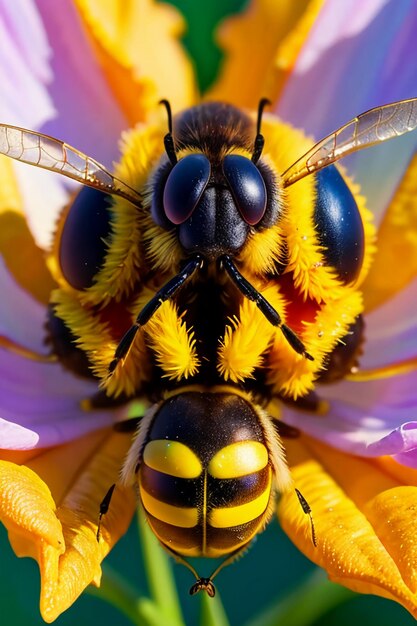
(200, 276)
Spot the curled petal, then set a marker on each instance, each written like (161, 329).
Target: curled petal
(363, 519)
(401, 443)
(28, 511)
(58, 527)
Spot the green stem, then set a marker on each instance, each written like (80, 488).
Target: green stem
(117, 591)
(212, 612)
(312, 599)
(159, 573)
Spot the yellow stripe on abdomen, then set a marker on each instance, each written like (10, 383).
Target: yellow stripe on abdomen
(184, 517)
(173, 458)
(238, 459)
(227, 517)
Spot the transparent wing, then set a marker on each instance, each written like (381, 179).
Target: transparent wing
(366, 130)
(43, 151)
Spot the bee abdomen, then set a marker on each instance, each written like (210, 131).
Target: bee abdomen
(199, 508)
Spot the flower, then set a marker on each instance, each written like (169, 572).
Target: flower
(89, 74)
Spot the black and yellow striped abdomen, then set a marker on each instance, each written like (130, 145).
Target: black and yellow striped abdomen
(205, 475)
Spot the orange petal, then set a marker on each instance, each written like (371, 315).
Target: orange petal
(28, 265)
(261, 47)
(27, 509)
(137, 46)
(51, 509)
(397, 239)
(364, 520)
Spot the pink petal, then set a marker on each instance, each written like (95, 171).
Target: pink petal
(401, 443)
(11, 433)
(51, 82)
(362, 417)
(40, 404)
(358, 55)
(391, 331)
(24, 66)
(22, 319)
(44, 194)
(87, 114)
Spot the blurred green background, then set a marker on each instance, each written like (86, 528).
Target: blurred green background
(273, 567)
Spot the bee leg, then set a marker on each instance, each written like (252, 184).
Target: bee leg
(250, 292)
(165, 293)
(307, 510)
(104, 507)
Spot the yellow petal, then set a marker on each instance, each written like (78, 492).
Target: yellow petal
(28, 265)
(137, 46)
(395, 263)
(364, 519)
(27, 509)
(51, 509)
(261, 47)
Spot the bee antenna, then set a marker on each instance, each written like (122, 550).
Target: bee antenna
(169, 139)
(259, 139)
(167, 106)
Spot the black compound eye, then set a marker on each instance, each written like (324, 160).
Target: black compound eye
(247, 187)
(339, 224)
(82, 245)
(185, 186)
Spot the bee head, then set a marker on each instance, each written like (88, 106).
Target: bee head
(214, 195)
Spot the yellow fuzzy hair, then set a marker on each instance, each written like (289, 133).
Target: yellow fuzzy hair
(293, 375)
(172, 342)
(95, 339)
(247, 337)
(283, 146)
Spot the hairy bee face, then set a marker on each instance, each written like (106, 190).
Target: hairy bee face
(214, 195)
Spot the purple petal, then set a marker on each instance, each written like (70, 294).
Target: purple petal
(11, 433)
(408, 458)
(358, 55)
(43, 194)
(24, 66)
(361, 417)
(22, 319)
(40, 404)
(399, 441)
(391, 331)
(88, 116)
(52, 82)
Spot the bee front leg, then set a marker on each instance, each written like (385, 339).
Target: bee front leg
(165, 293)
